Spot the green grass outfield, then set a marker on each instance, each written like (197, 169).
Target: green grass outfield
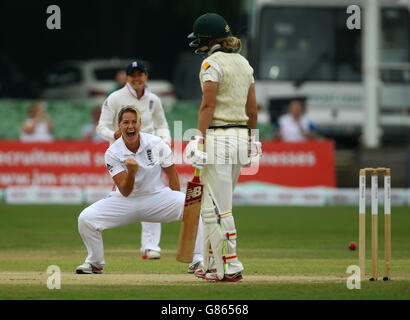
(287, 252)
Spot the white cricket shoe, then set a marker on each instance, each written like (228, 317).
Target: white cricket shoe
(234, 277)
(195, 266)
(201, 273)
(88, 268)
(151, 254)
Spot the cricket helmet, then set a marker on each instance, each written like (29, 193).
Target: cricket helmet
(206, 27)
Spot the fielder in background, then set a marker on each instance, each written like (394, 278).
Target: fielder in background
(135, 161)
(120, 81)
(226, 116)
(136, 93)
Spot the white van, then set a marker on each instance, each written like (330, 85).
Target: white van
(92, 79)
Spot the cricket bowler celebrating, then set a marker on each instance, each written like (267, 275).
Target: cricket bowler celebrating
(136, 93)
(135, 161)
(227, 113)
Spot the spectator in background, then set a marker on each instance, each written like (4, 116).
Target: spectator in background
(39, 127)
(89, 130)
(121, 80)
(295, 126)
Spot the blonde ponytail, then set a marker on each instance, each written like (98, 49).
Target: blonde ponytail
(230, 44)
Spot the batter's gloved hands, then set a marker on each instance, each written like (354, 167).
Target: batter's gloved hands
(194, 156)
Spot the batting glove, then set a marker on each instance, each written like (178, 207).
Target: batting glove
(194, 156)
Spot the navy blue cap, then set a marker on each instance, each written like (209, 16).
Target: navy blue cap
(135, 65)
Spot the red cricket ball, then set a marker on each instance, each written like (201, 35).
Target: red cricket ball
(352, 245)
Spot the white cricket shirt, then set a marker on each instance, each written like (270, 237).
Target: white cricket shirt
(152, 155)
(39, 134)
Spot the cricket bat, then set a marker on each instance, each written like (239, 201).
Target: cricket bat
(190, 219)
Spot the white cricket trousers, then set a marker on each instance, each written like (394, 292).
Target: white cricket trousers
(150, 236)
(115, 211)
(227, 151)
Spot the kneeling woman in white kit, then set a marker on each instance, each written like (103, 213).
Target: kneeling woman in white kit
(135, 162)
